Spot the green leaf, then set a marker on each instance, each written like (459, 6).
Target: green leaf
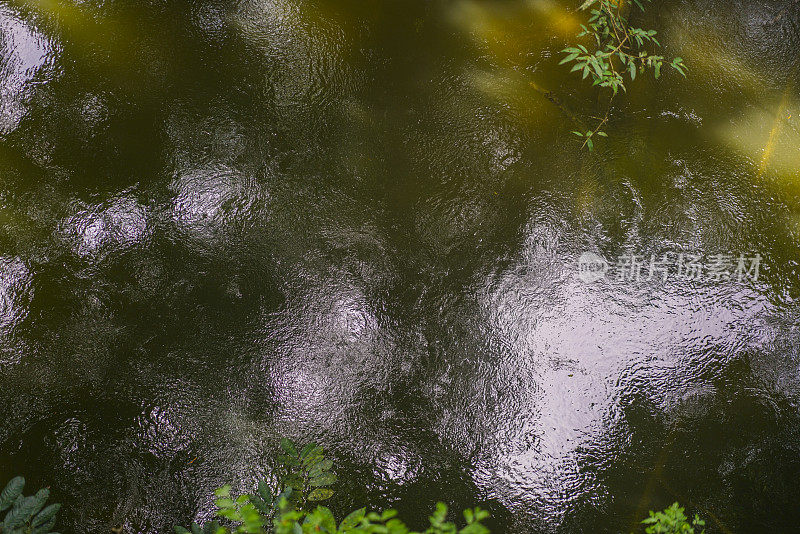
(287, 494)
(26, 507)
(632, 70)
(229, 513)
(46, 515)
(320, 468)
(314, 457)
(579, 134)
(224, 503)
(18, 515)
(310, 447)
(325, 479)
(352, 520)
(44, 528)
(388, 514)
(568, 58)
(41, 498)
(480, 514)
(590, 144)
(10, 493)
(440, 514)
(602, 134)
(260, 504)
(288, 446)
(320, 494)
(323, 518)
(294, 481)
(288, 460)
(263, 498)
(264, 491)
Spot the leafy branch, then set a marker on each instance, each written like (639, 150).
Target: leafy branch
(26, 515)
(307, 473)
(618, 50)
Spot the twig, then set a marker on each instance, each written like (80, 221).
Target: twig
(605, 119)
(783, 12)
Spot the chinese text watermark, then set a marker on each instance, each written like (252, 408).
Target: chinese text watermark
(637, 268)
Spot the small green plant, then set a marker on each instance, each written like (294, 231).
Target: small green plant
(26, 515)
(305, 479)
(672, 520)
(617, 49)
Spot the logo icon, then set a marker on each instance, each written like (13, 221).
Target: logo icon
(591, 267)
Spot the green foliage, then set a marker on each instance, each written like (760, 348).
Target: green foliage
(26, 515)
(263, 513)
(321, 519)
(210, 528)
(673, 521)
(307, 473)
(617, 50)
(306, 478)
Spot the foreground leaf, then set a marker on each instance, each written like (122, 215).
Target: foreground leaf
(320, 494)
(10, 493)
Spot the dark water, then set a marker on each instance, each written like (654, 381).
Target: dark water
(223, 222)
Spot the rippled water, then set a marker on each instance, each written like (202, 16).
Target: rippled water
(223, 222)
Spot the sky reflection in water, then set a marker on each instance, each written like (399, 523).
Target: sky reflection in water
(226, 222)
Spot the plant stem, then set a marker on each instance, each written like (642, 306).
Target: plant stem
(605, 119)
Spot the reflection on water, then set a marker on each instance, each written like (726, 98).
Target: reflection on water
(116, 224)
(15, 293)
(358, 223)
(27, 59)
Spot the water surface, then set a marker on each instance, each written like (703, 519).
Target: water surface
(223, 222)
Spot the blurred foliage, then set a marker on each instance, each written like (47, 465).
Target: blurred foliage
(672, 520)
